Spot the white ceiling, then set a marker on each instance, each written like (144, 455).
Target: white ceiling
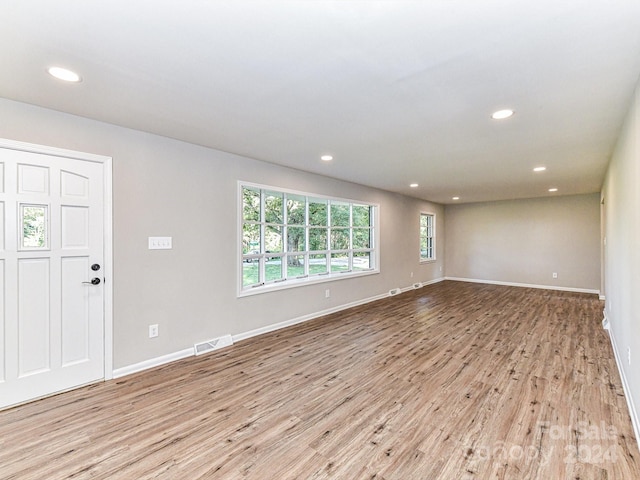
(398, 91)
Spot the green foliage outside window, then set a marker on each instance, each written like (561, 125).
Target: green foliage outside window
(288, 236)
(34, 226)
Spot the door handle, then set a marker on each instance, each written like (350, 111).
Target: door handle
(94, 281)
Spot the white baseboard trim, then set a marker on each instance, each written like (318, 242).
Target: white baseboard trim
(189, 352)
(627, 390)
(424, 284)
(153, 362)
(525, 285)
(601, 297)
(305, 318)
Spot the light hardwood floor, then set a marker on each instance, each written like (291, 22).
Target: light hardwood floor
(451, 381)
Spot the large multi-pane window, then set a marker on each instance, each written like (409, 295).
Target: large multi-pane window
(427, 237)
(289, 238)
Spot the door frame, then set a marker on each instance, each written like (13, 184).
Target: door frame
(108, 230)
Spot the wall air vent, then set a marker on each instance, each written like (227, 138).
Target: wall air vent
(211, 345)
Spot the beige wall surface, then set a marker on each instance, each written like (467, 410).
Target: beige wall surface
(526, 241)
(621, 196)
(163, 187)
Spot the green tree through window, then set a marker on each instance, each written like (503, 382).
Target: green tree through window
(289, 237)
(34, 226)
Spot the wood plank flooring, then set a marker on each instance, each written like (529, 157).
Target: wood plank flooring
(451, 381)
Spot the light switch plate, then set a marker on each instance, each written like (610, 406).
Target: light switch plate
(160, 243)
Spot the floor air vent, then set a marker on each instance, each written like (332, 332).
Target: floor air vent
(211, 345)
(394, 291)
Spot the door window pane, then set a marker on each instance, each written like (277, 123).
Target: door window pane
(35, 224)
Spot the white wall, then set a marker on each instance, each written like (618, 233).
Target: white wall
(622, 251)
(526, 241)
(163, 187)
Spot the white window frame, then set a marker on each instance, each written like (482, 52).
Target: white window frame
(308, 279)
(431, 258)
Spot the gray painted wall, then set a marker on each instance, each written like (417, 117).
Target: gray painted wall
(525, 241)
(190, 291)
(621, 194)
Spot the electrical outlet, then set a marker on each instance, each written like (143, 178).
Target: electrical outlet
(411, 275)
(153, 331)
(327, 293)
(555, 275)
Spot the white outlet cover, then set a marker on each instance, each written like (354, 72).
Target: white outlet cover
(153, 331)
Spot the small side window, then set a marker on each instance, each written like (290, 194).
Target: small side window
(427, 237)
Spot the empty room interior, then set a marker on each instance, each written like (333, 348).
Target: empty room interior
(320, 240)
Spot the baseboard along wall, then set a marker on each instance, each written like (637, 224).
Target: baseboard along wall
(633, 413)
(188, 352)
(524, 285)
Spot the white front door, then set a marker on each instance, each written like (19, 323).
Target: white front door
(51, 274)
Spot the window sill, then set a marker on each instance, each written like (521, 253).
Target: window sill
(302, 282)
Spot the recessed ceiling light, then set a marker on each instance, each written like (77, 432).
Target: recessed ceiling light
(326, 158)
(64, 74)
(455, 198)
(414, 185)
(539, 169)
(553, 189)
(502, 114)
